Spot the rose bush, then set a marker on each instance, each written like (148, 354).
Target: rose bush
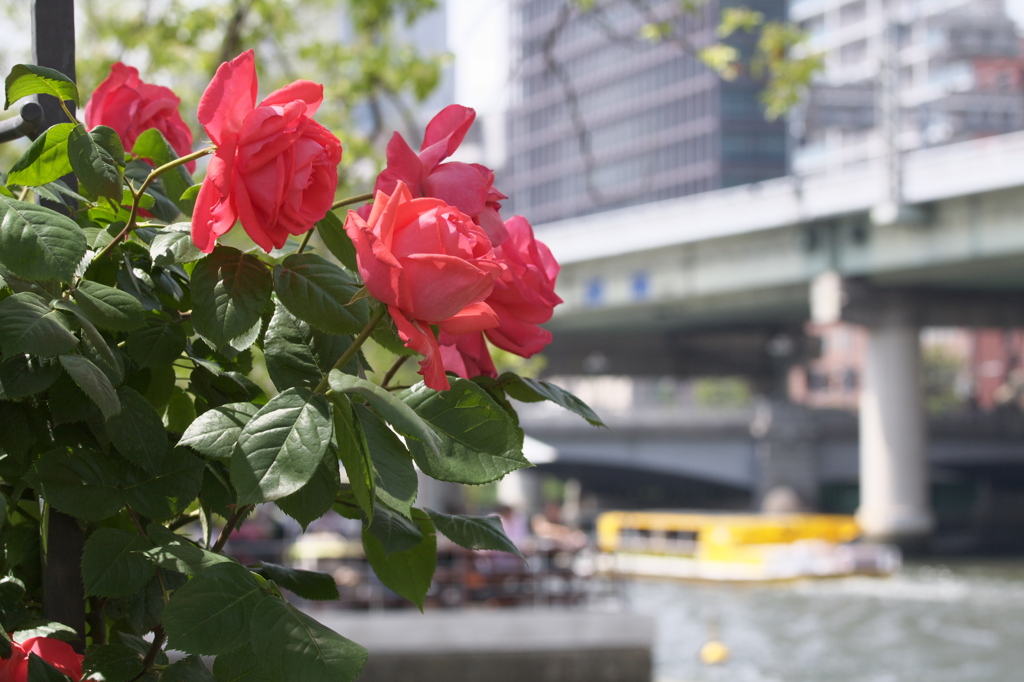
(275, 169)
(131, 107)
(55, 652)
(155, 386)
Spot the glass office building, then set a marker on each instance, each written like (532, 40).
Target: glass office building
(603, 118)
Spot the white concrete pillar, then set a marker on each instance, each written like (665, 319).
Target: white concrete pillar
(894, 477)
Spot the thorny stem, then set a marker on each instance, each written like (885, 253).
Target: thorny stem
(137, 195)
(305, 240)
(159, 636)
(351, 200)
(229, 527)
(354, 348)
(394, 370)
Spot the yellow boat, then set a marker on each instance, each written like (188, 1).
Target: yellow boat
(736, 547)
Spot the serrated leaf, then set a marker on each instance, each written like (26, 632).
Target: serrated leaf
(97, 158)
(46, 160)
(137, 431)
(306, 584)
(230, 291)
(393, 409)
(160, 342)
(480, 442)
(474, 532)
(173, 244)
(215, 432)
(176, 553)
(393, 531)
(41, 670)
(113, 663)
(332, 231)
(191, 669)
(211, 614)
(292, 647)
(299, 355)
(313, 500)
(29, 79)
(24, 375)
(113, 564)
(535, 390)
(28, 325)
(168, 491)
(109, 308)
(408, 572)
(318, 292)
(84, 484)
(353, 451)
(280, 448)
(240, 666)
(37, 243)
(93, 382)
(5, 644)
(395, 481)
(94, 346)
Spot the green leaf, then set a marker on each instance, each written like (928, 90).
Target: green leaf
(40, 670)
(191, 669)
(474, 532)
(28, 325)
(306, 584)
(5, 644)
(215, 432)
(354, 453)
(187, 202)
(169, 490)
(240, 666)
(93, 382)
(45, 628)
(110, 308)
(318, 292)
(113, 662)
(396, 412)
(230, 290)
(95, 347)
(137, 431)
(313, 500)
(29, 79)
(177, 553)
(337, 241)
(113, 564)
(152, 145)
(173, 244)
(160, 342)
(181, 411)
(97, 158)
(280, 448)
(84, 484)
(481, 443)
(299, 355)
(408, 572)
(394, 474)
(535, 390)
(24, 375)
(39, 243)
(68, 403)
(392, 531)
(292, 647)
(45, 160)
(211, 614)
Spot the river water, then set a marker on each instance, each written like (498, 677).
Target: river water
(933, 622)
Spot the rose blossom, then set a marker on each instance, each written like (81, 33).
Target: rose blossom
(430, 264)
(275, 168)
(55, 652)
(131, 107)
(468, 187)
(523, 298)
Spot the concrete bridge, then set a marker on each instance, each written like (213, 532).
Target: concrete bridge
(722, 283)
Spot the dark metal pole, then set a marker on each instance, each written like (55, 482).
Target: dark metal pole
(53, 46)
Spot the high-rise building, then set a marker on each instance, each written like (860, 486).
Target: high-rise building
(601, 118)
(940, 70)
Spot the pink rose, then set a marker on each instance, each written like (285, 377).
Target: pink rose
(131, 107)
(430, 264)
(55, 652)
(523, 298)
(468, 187)
(275, 168)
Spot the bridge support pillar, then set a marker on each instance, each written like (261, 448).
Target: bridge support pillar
(894, 480)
